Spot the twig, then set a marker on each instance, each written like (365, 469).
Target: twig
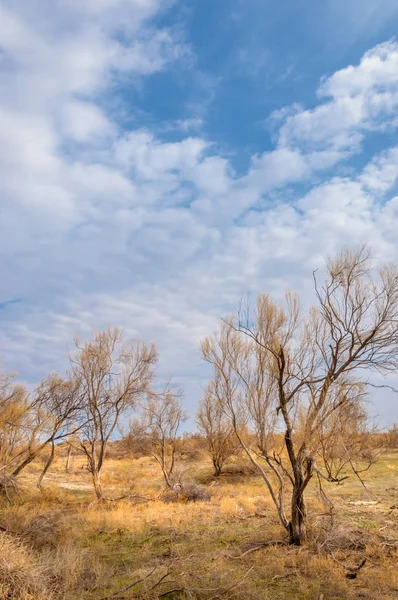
(259, 546)
(175, 590)
(352, 572)
(126, 496)
(159, 581)
(233, 586)
(128, 587)
(277, 577)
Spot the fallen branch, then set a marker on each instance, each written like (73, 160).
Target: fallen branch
(352, 572)
(128, 587)
(174, 591)
(259, 547)
(233, 586)
(278, 577)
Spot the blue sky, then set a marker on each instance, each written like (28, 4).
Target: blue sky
(160, 159)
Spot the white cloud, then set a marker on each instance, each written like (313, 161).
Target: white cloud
(377, 72)
(148, 158)
(83, 121)
(362, 97)
(184, 125)
(107, 226)
(381, 174)
(274, 169)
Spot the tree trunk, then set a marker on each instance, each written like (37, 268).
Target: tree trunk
(217, 467)
(47, 465)
(30, 458)
(167, 478)
(68, 459)
(297, 525)
(302, 469)
(97, 484)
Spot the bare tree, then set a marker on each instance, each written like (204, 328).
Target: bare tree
(347, 438)
(136, 440)
(55, 412)
(14, 408)
(163, 415)
(62, 399)
(216, 428)
(73, 447)
(113, 376)
(314, 366)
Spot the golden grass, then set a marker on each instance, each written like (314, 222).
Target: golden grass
(21, 576)
(75, 549)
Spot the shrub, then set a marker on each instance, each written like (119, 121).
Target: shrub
(240, 469)
(9, 487)
(45, 530)
(392, 436)
(192, 492)
(186, 492)
(21, 577)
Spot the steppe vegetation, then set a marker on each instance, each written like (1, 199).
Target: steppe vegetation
(288, 490)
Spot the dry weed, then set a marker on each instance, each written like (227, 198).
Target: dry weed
(21, 576)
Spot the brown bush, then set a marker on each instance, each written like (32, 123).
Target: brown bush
(73, 569)
(192, 446)
(391, 437)
(240, 469)
(186, 492)
(21, 576)
(328, 538)
(44, 530)
(9, 487)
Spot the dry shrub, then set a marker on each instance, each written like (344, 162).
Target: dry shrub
(244, 469)
(45, 530)
(70, 568)
(9, 487)
(52, 495)
(391, 437)
(21, 576)
(65, 566)
(192, 447)
(118, 450)
(186, 492)
(329, 538)
(53, 573)
(191, 492)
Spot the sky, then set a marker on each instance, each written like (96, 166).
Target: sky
(161, 159)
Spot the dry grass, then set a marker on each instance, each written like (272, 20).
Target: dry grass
(21, 576)
(65, 547)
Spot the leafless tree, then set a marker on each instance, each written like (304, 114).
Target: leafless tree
(113, 375)
(314, 366)
(55, 412)
(32, 422)
(14, 407)
(216, 428)
(62, 400)
(163, 415)
(347, 438)
(73, 447)
(136, 439)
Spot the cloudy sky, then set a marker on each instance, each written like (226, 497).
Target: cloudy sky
(160, 159)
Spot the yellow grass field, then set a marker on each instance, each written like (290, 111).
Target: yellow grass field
(59, 544)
